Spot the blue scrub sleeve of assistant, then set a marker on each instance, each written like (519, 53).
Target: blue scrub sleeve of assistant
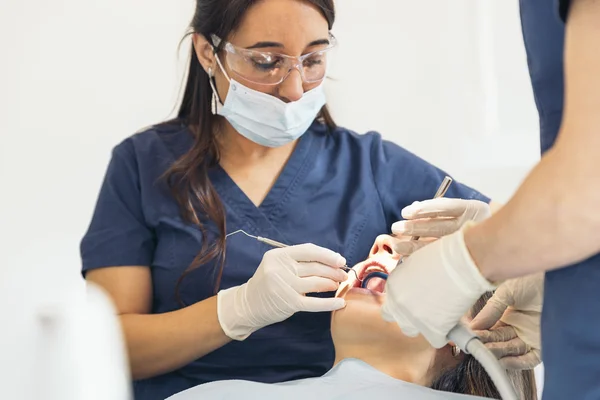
(402, 178)
(118, 235)
(543, 36)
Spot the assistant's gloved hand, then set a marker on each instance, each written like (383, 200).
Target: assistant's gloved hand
(434, 288)
(509, 324)
(277, 289)
(439, 217)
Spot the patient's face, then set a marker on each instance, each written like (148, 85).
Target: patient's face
(382, 258)
(361, 319)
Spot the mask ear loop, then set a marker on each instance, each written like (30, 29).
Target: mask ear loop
(213, 100)
(216, 103)
(221, 66)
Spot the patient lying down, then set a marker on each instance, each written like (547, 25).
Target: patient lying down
(374, 358)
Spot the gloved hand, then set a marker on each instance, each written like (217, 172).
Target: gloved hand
(509, 323)
(277, 289)
(439, 217)
(405, 246)
(434, 288)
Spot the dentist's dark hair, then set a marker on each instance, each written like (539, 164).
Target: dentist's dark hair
(188, 176)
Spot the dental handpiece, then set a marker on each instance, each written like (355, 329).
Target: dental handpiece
(442, 189)
(275, 243)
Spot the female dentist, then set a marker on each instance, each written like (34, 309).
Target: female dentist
(253, 147)
(552, 222)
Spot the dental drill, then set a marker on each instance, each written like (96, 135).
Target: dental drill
(276, 244)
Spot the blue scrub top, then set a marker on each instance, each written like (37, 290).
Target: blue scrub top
(338, 190)
(571, 314)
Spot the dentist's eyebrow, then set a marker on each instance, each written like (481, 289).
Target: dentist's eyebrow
(262, 45)
(318, 42)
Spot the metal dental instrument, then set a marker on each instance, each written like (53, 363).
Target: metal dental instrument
(275, 243)
(445, 185)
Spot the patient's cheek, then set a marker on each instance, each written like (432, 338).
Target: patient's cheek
(361, 318)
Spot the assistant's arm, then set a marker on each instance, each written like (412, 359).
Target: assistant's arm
(553, 219)
(158, 343)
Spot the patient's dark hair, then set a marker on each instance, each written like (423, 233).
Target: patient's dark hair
(469, 377)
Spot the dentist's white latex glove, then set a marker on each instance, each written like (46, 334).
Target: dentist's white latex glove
(277, 289)
(430, 291)
(509, 324)
(439, 217)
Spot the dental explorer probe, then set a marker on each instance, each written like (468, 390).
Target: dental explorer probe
(466, 340)
(440, 193)
(275, 243)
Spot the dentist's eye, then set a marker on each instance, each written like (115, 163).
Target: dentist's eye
(265, 62)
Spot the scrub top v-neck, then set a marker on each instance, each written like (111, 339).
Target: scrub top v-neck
(264, 219)
(339, 190)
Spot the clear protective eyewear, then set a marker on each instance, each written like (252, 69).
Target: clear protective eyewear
(267, 68)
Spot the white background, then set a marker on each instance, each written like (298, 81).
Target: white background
(447, 80)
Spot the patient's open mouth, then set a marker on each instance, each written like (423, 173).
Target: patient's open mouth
(372, 276)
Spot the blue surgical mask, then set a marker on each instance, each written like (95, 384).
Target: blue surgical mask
(265, 119)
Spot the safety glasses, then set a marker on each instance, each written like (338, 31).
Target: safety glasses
(266, 68)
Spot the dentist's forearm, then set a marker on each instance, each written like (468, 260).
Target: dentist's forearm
(552, 221)
(160, 343)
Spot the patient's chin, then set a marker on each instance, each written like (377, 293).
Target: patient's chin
(361, 303)
(361, 319)
(366, 297)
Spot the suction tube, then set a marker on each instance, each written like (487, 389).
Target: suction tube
(466, 340)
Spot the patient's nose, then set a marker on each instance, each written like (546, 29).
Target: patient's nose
(384, 246)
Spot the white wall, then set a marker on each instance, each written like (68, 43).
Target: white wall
(78, 77)
(447, 80)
